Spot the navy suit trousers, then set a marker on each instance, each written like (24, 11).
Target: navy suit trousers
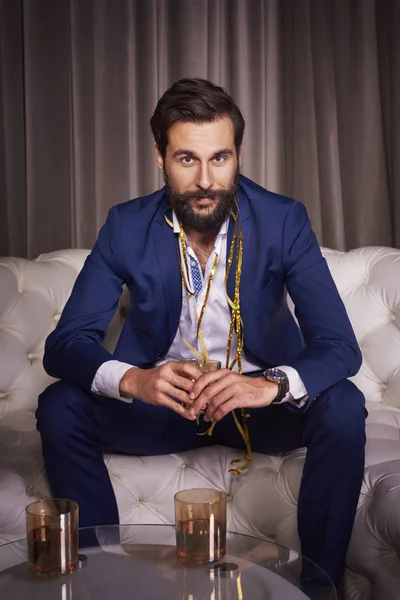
(77, 428)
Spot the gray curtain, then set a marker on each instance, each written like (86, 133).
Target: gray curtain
(318, 82)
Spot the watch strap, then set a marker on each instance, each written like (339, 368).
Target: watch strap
(281, 378)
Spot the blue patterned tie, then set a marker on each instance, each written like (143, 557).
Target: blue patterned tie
(197, 279)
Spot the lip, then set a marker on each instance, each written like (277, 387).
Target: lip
(204, 200)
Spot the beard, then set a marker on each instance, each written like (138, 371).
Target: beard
(201, 219)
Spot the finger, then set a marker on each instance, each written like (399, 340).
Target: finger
(185, 369)
(213, 389)
(182, 382)
(168, 372)
(205, 397)
(206, 379)
(225, 406)
(175, 394)
(217, 401)
(175, 406)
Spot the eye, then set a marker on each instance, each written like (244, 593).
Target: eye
(187, 161)
(220, 159)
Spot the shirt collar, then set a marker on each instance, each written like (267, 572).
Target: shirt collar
(222, 231)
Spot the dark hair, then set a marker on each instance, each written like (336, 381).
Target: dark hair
(197, 101)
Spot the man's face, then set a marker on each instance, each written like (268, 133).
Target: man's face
(201, 169)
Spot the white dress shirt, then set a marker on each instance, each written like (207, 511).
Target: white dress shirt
(215, 329)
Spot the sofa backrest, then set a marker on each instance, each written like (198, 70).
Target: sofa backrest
(33, 294)
(368, 280)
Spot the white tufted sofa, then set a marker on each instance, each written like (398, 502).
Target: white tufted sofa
(263, 501)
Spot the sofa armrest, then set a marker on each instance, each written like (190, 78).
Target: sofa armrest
(373, 564)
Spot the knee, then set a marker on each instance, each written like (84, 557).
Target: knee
(341, 413)
(59, 407)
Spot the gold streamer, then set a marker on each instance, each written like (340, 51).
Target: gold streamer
(236, 324)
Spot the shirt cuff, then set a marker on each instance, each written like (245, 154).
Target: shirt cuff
(107, 379)
(297, 394)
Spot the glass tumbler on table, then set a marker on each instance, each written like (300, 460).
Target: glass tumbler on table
(52, 536)
(200, 520)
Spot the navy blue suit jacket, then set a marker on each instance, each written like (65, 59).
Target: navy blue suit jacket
(281, 254)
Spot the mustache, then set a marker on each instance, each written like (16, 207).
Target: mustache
(199, 195)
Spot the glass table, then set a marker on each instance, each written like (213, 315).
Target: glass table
(139, 562)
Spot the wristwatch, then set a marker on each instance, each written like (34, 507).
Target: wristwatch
(277, 376)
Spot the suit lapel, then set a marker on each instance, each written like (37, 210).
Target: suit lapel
(244, 219)
(167, 259)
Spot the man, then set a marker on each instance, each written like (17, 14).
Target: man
(207, 261)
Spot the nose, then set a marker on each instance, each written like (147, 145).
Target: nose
(205, 178)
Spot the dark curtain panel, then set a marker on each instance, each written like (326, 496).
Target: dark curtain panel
(318, 82)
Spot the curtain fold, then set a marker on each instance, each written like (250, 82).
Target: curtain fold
(13, 200)
(318, 82)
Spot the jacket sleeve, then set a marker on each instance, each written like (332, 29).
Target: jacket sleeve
(331, 352)
(73, 351)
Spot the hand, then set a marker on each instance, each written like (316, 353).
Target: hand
(223, 391)
(166, 385)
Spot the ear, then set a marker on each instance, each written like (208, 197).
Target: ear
(159, 158)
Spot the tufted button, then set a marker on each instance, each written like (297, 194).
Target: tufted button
(57, 316)
(3, 395)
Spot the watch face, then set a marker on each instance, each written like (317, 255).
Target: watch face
(276, 375)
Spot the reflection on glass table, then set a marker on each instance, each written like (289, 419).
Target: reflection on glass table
(140, 561)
